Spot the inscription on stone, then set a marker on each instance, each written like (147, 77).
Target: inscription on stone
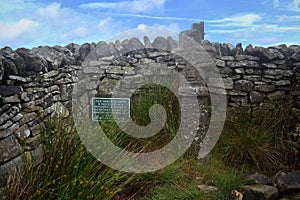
(111, 109)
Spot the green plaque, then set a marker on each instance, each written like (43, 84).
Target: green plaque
(111, 109)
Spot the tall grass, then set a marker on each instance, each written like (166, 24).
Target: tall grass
(262, 142)
(67, 172)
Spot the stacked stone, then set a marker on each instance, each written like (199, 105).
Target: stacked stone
(26, 103)
(36, 83)
(260, 76)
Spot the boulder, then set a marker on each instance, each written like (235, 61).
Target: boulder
(296, 56)
(260, 192)
(287, 183)
(56, 56)
(18, 61)
(239, 49)
(172, 44)
(261, 52)
(134, 44)
(259, 179)
(120, 48)
(283, 49)
(112, 49)
(9, 68)
(101, 50)
(147, 42)
(74, 48)
(84, 50)
(34, 62)
(160, 43)
(6, 51)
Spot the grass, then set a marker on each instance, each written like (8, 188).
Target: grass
(69, 171)
(262, 143)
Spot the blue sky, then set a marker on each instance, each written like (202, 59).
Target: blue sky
(30, 23)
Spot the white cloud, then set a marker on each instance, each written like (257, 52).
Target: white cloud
(157, 17)
(53, 11)
(80, 32)
(15, 29)
(284, 18)
(133, 6)
(152, 32)
(238, 20)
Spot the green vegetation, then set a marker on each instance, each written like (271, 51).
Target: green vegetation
(70, 172)
(262, 143)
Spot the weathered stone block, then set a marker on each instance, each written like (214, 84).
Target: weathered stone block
(282, 82)
(23, 132)
(9, 90)
(10, 113)
(28, 117)
(10, 130)
(265, 88)
(228, 83)
(11, 99)
(263, 192)
(20, 78)
(18, 117)
(9, 148)
(239, 71)
(256, 97)
(242, 64)
(220, 63)
(288, 182)
(6, 125)
(276, 95)
(243, 85)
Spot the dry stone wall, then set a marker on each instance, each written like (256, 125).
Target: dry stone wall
(37, 83)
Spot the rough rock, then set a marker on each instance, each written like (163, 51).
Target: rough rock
(9, 148)
(160, 43)
(10, 113)
(258, 179)
(34, 63)
(264, 53)
(84, 50)
(296, 56)
(243, 85)
(8, 90)
(147, 42)
(9, 67)
(287, 182)
(56, 56)
(134, 44)
(260, 192)
(172, 44)
(18, 61)
(256, 97)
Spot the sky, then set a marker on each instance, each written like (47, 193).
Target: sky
(32, 23)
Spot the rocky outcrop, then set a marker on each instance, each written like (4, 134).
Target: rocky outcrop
(281, 186)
